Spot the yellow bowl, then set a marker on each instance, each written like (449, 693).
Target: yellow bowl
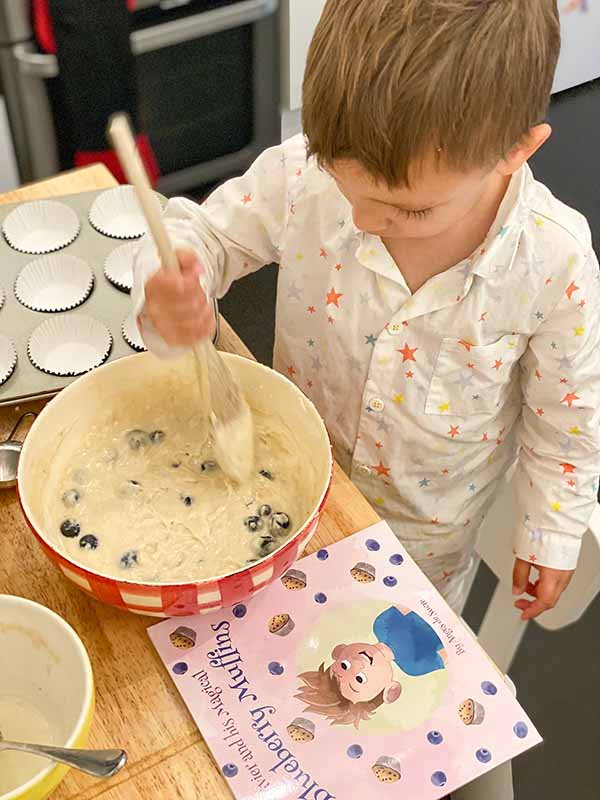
(46, 693)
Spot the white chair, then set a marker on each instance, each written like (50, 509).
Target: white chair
(502, 628)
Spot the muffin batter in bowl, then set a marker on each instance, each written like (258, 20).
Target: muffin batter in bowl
(121, 478)
(147, 498)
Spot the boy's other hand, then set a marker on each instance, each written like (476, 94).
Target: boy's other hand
(546, 591)
(176, 304)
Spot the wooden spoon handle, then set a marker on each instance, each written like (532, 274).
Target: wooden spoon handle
(121, 136)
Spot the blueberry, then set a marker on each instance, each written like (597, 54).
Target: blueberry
(137, 439)
(390, 581)
(521, 730)
(88, 542)
(396, 559)
(279, 522)
(71, 497)
(483, 755)
(266, 474)
(275, 668)
(156, 437)
(239, 611)
(208, 466)
(129, 559)
(373, 545)
(230, 770)
(70, 528)
(187, 500)
(435, 737)
(176, 464)
(253, 523)
(354, 751)
(488, 688)
(267, 545)
(322, 555)
(180, 668)
(439, 778)
(320, 598)
(265, 510)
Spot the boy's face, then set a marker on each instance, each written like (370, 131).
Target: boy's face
(438, 200)
(364, 671)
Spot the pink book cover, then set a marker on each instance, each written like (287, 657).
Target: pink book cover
(349, 677)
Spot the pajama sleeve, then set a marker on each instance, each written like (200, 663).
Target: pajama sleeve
(236, 231)
(557, 475)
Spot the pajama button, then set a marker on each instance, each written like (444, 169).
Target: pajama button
(377, 404)
(363, 469)
(395, 328)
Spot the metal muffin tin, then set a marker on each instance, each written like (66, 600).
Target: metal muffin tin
(106, 303)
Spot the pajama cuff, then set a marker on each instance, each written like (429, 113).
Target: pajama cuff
(146, 263)
(546, 548)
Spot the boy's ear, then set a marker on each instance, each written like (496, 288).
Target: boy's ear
(523, 151)
(392, 693)
(337, 651)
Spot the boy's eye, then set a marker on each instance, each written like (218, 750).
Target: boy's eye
(345, 665)
(421, 214)
(361, 678)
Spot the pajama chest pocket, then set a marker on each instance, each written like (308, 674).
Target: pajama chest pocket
(474, 379)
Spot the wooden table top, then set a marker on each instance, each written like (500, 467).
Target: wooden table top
(138, 707)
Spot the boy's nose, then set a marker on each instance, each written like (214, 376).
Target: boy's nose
(369, 221)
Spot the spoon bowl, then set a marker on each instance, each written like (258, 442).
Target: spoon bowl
(10, 451)
(9, 462)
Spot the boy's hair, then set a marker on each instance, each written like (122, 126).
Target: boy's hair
(322, 695)
(390, 82)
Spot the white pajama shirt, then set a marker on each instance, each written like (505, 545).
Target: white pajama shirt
(428, 397)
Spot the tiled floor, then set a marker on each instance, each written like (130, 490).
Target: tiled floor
(557, 674)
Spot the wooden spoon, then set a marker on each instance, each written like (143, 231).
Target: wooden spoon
(228, 410)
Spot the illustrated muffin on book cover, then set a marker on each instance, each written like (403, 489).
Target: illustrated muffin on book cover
(350, 677)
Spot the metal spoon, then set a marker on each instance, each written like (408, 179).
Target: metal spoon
(99, 763)
(10, 450)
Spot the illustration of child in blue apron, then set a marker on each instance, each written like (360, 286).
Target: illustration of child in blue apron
(361, 677)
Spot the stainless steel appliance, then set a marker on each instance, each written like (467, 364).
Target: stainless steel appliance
(208, 78)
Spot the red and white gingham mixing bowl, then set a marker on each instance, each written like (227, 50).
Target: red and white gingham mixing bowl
(78, 407)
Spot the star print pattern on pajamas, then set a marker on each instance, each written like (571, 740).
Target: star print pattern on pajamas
(430, 396)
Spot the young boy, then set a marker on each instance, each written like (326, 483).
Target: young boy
(438, 305)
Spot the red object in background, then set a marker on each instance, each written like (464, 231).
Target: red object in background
(42, 24)
(84, 158)
(58, 31)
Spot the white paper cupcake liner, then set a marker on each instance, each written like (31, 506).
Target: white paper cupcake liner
(69, 346)
(131, 334)
(42, 226)
(117, 213)
(118, 266)
(8, 358)
(54, 283)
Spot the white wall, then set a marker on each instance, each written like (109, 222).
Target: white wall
(580, 55)
(298, 21)
(9, 176)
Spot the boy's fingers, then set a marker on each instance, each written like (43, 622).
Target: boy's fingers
(520, 576)
(188, 262)
(530, 610)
